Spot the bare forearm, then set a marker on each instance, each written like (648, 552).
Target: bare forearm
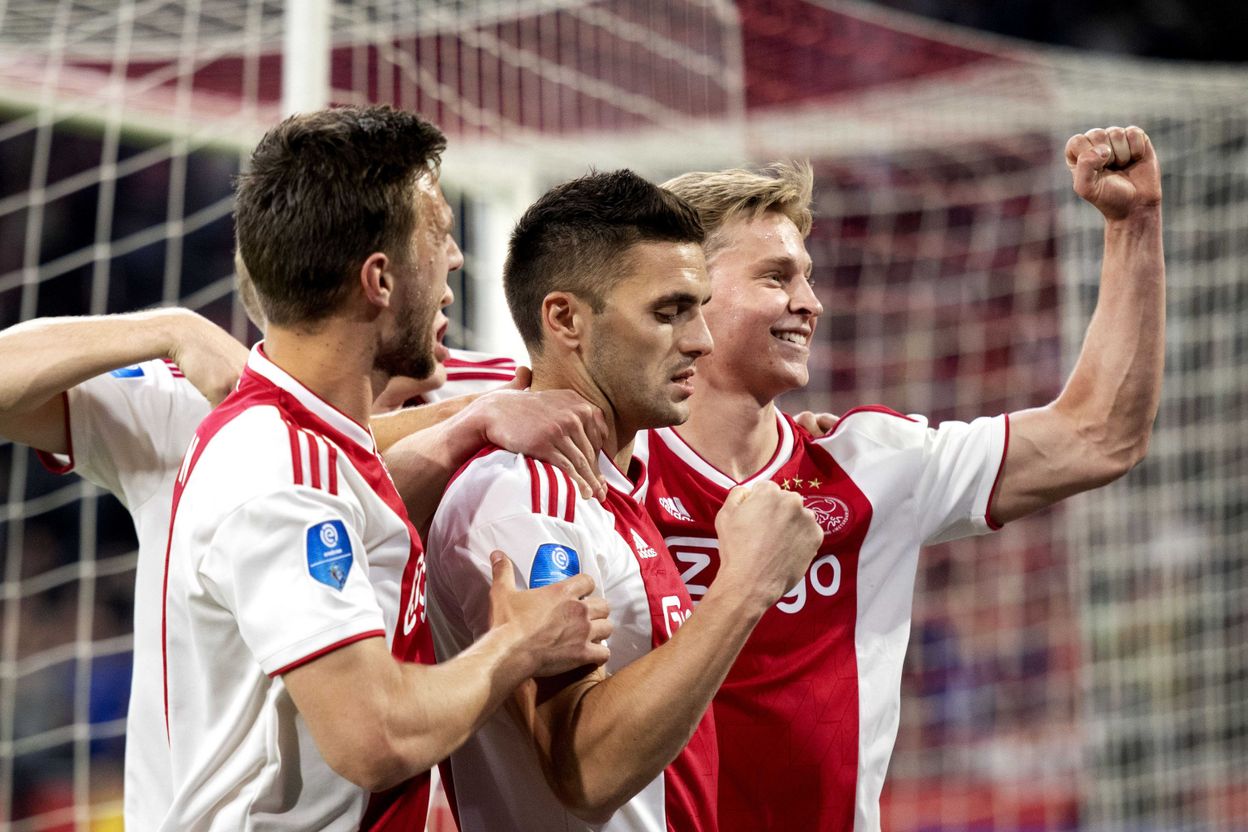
(391, 427)
(43, 358)
(1115, 388)
(625, 730)
(442, 705)
(406, 717)
(1100, 424)
(423, 462)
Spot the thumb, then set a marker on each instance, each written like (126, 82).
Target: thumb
(1088, 167)
(504, 577)
(524, 378)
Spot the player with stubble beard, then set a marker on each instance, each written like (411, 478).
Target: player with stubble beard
(297, 653)
(606, 282)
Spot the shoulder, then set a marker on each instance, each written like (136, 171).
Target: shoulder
(248, 450)
(496, 484)
(873, 424)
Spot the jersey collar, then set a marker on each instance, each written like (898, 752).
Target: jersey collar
(617, 480)
(260, 364)
(687, 454)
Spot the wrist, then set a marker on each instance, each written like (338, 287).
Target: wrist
(740, 598)
(515, 658)
(1141, 220)
(170, 328)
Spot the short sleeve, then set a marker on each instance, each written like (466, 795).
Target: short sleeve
(129, 429)
(291, 569)
(543, 549)
(962, 463)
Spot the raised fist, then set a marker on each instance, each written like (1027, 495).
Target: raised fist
(1115, 169)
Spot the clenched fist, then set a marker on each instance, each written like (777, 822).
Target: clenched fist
(767, 539)
(1116, 170)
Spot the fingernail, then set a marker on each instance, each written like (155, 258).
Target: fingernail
(496, 557)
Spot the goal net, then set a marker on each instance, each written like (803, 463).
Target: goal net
(1083, 668)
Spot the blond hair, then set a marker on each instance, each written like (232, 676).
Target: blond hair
(723, 195)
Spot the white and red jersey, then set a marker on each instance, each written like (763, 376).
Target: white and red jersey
(808, 715)
(287, 541)
(470, 372)
(532, 511)
(127, 431)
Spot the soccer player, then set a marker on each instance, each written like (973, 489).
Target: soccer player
(605, 279)
(808, 715)
(116, 399)
(293, 579)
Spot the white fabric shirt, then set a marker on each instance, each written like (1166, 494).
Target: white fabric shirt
(283, 547)
(127, 432)
(531, 511)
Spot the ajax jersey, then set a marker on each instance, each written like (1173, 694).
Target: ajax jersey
(531, 511)
(127, 430)
(808, 715)
(288, 541)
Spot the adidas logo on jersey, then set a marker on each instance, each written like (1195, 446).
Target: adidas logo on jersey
(674, 507)
(644, 550)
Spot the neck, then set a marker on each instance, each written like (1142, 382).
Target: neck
(329, 362)
(558, 375)
(731, 429)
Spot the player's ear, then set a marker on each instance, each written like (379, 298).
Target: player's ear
(565, 320)
(376, 281)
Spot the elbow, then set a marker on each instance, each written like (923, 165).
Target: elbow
(1118, 461)
(371, 761)
(594, 809)
(581, 794)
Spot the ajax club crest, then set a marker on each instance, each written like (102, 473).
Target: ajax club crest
(832, 514)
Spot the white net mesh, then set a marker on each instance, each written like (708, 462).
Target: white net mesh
(1084, 668)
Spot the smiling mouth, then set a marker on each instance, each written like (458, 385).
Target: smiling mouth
(802, 339)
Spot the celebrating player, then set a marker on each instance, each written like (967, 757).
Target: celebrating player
(808, 715)
(116, 399)
(606, 279)
(291, 560)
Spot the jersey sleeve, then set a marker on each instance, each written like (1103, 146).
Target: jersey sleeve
(128, 429)
(542, 549)
(942, 478)
(498, 503)
(292, 570)
(962, 463)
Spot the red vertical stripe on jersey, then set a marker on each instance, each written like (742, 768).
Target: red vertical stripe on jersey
(314, 460)
(333, 468)
(296, 458)
(569, 512)
(534, 486)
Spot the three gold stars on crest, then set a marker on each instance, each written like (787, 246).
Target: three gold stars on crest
(797, 484)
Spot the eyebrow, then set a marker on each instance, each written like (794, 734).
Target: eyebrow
(676, 297)
(783, 263)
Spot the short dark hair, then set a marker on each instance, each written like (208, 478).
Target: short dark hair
(577, 236)
(324, 191)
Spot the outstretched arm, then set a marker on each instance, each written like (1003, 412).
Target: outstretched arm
(1098, 428)
(45, 357)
